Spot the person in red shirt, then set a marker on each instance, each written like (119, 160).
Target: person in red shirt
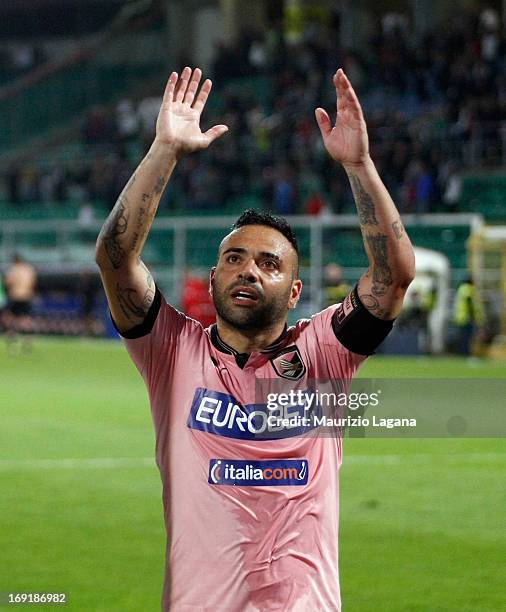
(196, 300)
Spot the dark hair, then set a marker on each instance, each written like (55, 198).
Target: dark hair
(257, 217)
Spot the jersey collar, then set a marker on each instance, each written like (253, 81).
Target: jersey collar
(225, 348)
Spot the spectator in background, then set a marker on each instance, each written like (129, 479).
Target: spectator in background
(89, 286)
(13, 179)
(353, 67)
(468, 314)
(20, 283)
(425, 188)
(335, 287)
(78, 180)
(196, 300)
(22, 56)
(85, 216)
(3, 304)
(224, 64)
(433, 99)
(102, 180)
(207, 186)
(451, 185)
(147, 112)
(315, 204)
(127, 121)
(339, 194)
(257, 55)
(98, 127)
(29, 184)
(419, 189)
(285, 193)
(53, 186)
(490, 41)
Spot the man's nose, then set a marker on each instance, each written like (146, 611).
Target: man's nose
(249, 272)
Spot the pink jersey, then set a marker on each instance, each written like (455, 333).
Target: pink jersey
(252, 520)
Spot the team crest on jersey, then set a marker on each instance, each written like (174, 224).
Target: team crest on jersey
(289, 364)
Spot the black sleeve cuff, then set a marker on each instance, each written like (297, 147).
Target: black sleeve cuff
(356, 328)
(144, 328)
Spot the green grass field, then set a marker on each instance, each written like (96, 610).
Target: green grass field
(422, 520)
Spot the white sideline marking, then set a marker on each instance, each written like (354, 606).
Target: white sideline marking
(454, 458)
(94, 462)
(136, 462)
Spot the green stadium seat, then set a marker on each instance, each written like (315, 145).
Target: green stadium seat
(485, 194)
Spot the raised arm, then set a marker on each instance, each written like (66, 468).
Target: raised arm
(128, 284)
(391, 258)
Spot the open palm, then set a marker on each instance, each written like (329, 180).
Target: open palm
(346, 141)
(178, 123)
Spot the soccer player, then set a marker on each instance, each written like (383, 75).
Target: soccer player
(251, 512)
(20, 284)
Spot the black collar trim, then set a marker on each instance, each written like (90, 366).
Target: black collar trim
(277, 343)
(225, 348)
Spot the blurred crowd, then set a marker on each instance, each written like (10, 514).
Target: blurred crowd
(433, 107)
(18, 58)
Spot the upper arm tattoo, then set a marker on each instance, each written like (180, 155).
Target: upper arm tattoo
(149, 276)
(372, 304)
(114, 227)
(398, 229)
(365, 205)
(132, 305)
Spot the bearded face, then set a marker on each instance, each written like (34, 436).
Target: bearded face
(247, 307)
(253, 285)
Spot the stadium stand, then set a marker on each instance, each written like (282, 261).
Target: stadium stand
(74, 125)
(434, 108)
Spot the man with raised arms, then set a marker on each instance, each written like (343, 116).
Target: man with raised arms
(251, 514)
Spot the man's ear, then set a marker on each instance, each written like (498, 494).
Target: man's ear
(212, 274)
(295, 293)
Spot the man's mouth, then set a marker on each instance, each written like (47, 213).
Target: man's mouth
(244, 296)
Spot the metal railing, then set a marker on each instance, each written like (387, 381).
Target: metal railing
(64, 246)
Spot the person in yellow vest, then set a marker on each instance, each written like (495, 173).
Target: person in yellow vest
(335, 287)
(468, 314)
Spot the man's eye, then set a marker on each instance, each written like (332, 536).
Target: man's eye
(271, 264)
(232, 258)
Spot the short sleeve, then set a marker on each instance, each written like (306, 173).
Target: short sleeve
(340, 362)
(154, 351)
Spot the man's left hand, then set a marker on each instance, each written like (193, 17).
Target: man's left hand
(347, 142)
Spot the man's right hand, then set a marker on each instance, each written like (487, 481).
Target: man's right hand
(178, 120)
(127, 281)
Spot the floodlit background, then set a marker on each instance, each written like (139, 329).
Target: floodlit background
(422, 525)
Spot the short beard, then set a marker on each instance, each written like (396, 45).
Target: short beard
(260, 317)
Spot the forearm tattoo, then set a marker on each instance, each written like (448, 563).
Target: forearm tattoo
(160, 185)
(365, 205)
(118, 223)
(381, 271)
(141, 228)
